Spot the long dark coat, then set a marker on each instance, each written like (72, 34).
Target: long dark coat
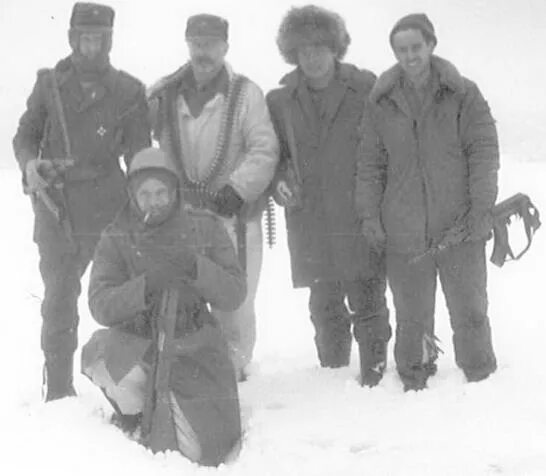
(110, 122)
(423, 175)
(202, 376)
(323, 235)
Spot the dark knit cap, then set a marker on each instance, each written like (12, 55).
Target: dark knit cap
(415, 21)
(92, 16)
(312, 25)
(207, 26)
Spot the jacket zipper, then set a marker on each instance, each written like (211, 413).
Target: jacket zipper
(423, 183)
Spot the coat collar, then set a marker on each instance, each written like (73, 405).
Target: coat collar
(179, 78)
(65, 70)
(346, 74)
(448, 75)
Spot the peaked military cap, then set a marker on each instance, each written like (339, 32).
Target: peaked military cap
(208, 26)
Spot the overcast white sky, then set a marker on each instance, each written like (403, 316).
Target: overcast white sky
(497, 43)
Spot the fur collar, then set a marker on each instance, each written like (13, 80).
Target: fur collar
(346, 73)
(449, 78)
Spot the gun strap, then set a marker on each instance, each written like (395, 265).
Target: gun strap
(60, 113)
(291, 139)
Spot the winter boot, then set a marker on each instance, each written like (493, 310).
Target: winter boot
(126, 423)
(431, 351)
(58, 374)
(373, 361)
(333, 353)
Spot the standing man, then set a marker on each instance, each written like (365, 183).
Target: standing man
(316, 114)
(81, 117)
(215, 127)
(427, 180)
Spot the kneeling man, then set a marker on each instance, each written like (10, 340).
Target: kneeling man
(157, 244)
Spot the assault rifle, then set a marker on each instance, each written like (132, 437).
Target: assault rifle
(158, 430)
(518, 205)
(53, 177)
(295, 181)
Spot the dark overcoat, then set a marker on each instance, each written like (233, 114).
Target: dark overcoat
(202, 375)
(108, 122)
(323, 234)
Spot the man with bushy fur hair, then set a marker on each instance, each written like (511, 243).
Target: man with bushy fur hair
(316, 113)
(427, 180)
(81, 117)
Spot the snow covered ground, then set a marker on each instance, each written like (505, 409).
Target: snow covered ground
(298, 419)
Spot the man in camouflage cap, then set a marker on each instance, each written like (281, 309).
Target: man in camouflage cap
(81, 116)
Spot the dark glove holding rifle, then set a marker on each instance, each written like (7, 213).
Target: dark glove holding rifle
(169, 263)
(227, 202)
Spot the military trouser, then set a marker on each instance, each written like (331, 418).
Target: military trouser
(62, 266)
(239, 326)
(463, 276)
(331, 317)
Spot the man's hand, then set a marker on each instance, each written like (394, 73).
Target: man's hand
(287, 196)
(35, 175)
(40, 174)
(228, 202)
(479, 225)
(373, 232)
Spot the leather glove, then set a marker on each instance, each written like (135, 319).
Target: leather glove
(228, 202)
(373, 232)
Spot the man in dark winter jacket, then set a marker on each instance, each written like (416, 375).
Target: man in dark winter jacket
(427, 179)
(316, 114)
(81, 117)
(156, 243)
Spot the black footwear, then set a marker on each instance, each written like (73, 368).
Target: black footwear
(373, 362)
(126, 423)
(371, 377)
(57, 377)
(431, 367)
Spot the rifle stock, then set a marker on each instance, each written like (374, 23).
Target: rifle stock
(157, 425)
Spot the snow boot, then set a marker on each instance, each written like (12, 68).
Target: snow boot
(373, 362)
(334, 353)
(58, 375)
